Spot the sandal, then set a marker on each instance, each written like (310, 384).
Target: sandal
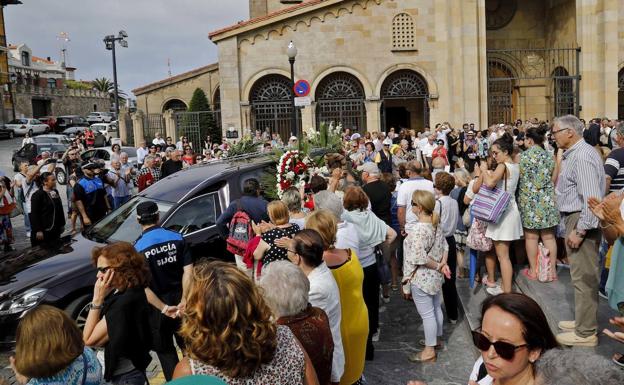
(528, 274)
(618, 359)
(487, 283)
(417, 357)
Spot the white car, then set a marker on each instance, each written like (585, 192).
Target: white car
(109, 130)
(105, 154)
(74, 130)
(100, 117)
(28, 126)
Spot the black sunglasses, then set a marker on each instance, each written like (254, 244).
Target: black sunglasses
(505, 350)
(103, 270)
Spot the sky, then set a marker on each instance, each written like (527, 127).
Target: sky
(158, 30)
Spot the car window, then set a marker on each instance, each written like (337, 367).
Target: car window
(197, 214)
(104, 155)
(45, 139)
(35, 121)
(87, 154)
(121, 224)
(18, 121)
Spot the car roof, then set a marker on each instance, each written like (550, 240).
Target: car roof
(176, 186)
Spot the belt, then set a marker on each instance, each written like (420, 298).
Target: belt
(568, 213)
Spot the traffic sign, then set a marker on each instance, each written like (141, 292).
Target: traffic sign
(302, 88)
(303, 101)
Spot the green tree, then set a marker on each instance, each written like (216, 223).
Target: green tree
(207, 123)
(75, 85)
(106, 85)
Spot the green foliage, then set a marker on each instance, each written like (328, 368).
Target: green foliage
(245, 146)
(106, 85)
(327, 137)
(207, 123)
(75, 85)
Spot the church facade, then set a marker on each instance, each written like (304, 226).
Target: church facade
(376, 64)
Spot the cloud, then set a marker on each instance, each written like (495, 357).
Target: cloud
(157, 29)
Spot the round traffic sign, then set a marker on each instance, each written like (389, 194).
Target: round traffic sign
(302, 88)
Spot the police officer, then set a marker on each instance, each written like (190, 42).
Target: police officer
(170, 263)
(90, 194)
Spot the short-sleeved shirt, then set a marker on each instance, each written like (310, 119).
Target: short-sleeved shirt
(614, 168)
(404, 196)
(277, 253)
(92, 194)
(379, 195)
(166, 254)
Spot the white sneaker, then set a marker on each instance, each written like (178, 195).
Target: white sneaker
(376, 336)
(496, 290)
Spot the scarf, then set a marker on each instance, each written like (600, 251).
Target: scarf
(371, 230)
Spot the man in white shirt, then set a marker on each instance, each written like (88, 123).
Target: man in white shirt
(142, 152)
(428, 147)
(158, 140)
(406, 216)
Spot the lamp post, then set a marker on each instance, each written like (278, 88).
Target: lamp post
(12, 79)
(292, 54)
(110, 40)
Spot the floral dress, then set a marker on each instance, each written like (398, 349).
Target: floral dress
(536, 196)
(424, 242)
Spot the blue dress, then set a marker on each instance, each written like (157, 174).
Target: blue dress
(72, 375)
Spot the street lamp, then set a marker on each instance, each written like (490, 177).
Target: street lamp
(12, 79)
(110, 40)
(292, 54)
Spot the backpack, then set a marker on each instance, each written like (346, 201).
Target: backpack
(241, 232)
(543, 263)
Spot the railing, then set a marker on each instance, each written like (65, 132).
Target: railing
(47, 91)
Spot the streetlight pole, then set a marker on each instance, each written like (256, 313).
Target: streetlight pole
(110, 41)
(292, 54)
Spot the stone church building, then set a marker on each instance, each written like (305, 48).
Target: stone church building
(376, 64)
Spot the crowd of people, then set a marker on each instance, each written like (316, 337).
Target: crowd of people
(397, 211)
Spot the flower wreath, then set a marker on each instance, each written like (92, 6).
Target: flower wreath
(292, 170)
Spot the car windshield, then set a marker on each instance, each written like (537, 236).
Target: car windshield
(45, 139)
(121, 224)
(51, 147)
(18, 121)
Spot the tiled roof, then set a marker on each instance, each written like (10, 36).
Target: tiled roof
(42, 60)
(174, 79)
(269, 16)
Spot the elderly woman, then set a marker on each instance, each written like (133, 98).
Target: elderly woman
(267, 251)
(536, 200)
(222, 306)
(119, 321)
(306, 251)
(346, 233)
(50, 350)
(286, 292)
(292, 198)
(348, 273)
(372, 232)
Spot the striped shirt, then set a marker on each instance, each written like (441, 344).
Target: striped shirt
(614, 168)
(582, 176)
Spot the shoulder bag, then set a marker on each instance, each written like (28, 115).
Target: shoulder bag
(490, 203)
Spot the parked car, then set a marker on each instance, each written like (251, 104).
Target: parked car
(31, 153)
(75, 130)
(100, 117)
(52, 138)
(50, 121)
(109, 130)
(69, 121)
(189, 201)
(6, 132)
(28, 126)
(105, 154)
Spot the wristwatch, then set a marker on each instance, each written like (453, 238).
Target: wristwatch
(92, 306)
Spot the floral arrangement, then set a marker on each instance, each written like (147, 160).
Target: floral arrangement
(327, 137)
(293, 169)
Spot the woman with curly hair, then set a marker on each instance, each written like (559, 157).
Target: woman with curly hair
(229, 333)
(118, 313)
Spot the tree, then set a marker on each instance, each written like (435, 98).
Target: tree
(207, 123)
(105, 85)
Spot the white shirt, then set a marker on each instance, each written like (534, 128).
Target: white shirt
(29, 190)
(160, 141)
(324, 294)
(450, 214)
(347, 237)
(141, 154)
(487, 380)
(404, 197)
(427, 149)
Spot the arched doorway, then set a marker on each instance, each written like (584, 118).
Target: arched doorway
(404, 101)
(621, 94)
(271, 106)
(500, 93)
(340, 99)
(175, 105)
(216, 100)
(563, 92)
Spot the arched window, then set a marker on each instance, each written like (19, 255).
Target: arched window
(340, 97)
(216, 100)
(52, 84)
(405, 101)
(403, 32)
(175, 105)
(272, 106)
(563, 92)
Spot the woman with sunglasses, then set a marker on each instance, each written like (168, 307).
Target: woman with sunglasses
(118, 313)
(514, 334)
(189, 157)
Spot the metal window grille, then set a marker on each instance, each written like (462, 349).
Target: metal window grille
(271, 106)
(409, 86)
(195, 126)
(340, 99)
(153, 123)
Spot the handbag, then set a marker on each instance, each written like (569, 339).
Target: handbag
(490, 203)
(476, 239)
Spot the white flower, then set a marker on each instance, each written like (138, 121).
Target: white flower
(290, 175)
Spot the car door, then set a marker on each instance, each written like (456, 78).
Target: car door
(37, 126)
(196, 220)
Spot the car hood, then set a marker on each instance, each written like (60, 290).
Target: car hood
(36, 266)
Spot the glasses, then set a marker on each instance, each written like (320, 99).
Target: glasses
(103, 270)
(555, 132)
(505, 350)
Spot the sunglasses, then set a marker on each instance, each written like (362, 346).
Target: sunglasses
(104, 269)
(505, 350)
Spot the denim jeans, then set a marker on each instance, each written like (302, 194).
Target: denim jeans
(430, 309)
(133, 377)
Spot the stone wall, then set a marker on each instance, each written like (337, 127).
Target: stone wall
(61, 102)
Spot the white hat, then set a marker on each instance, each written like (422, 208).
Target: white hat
(355, 136)
(370, 168)
(387, 142)
(293, 138)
